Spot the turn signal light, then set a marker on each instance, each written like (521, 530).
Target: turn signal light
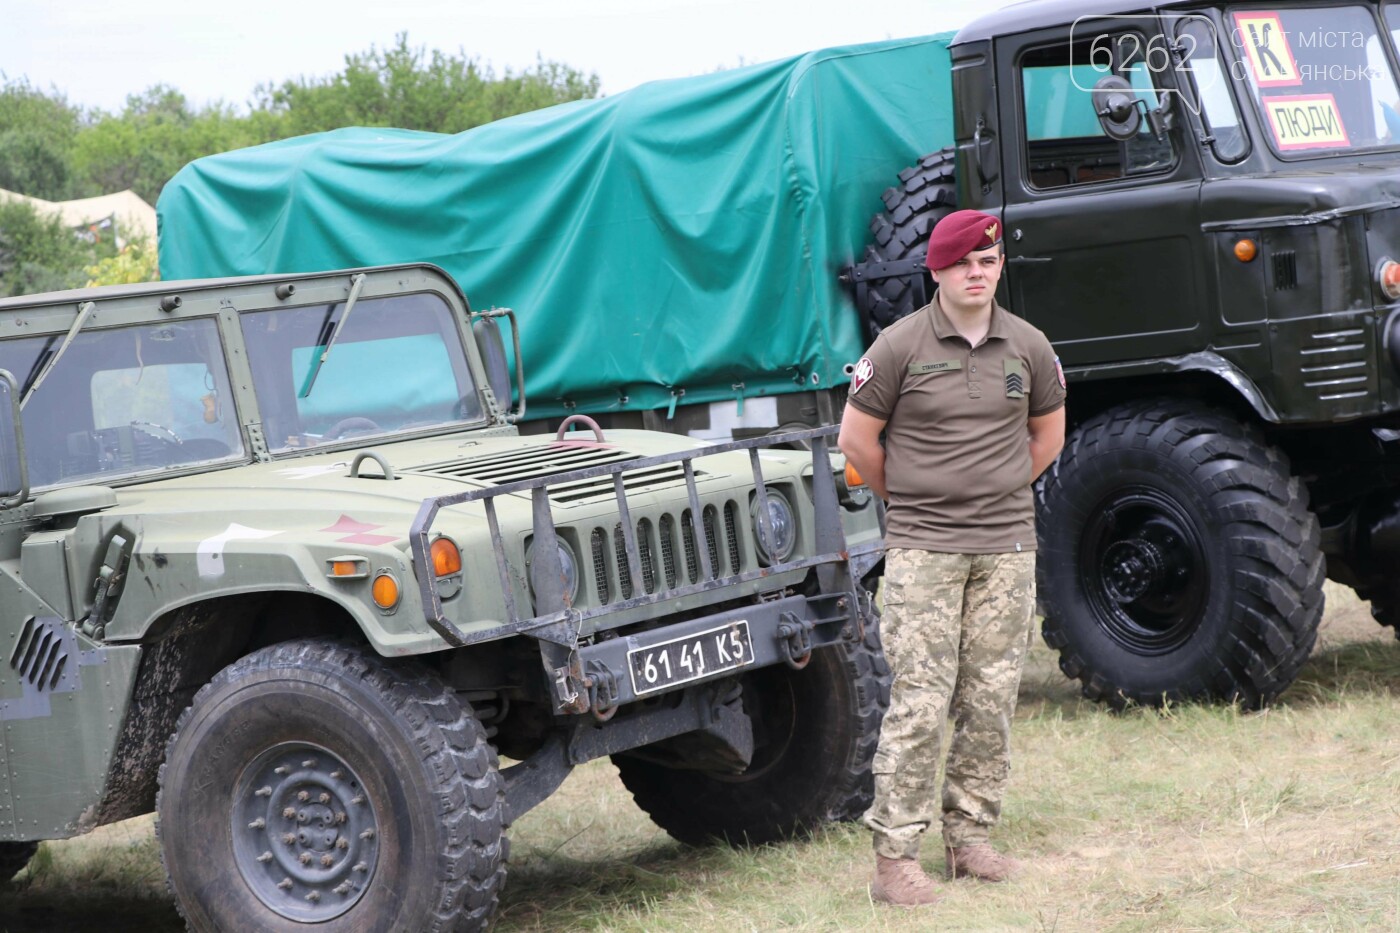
(1388, 275)
(343, 568)
(1246, 250)
(447, 559)
(853, 479)
(385, 591)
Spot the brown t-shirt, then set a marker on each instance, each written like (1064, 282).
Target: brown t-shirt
(957, 453)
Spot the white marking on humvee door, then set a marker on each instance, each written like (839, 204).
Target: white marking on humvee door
(210, 556)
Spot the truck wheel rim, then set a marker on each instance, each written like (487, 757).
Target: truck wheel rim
(1145, 569)
(306, 836)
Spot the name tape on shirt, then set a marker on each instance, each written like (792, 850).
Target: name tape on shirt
(863, 372)
(918, 369)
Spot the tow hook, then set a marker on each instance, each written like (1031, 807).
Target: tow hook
(602, 691)
(795, 641)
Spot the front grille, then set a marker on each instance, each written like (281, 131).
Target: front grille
(624, 573)
(598, 545)
(692, 556)
(731, 534)
(644, 551)
(712, 537)
(668, 549)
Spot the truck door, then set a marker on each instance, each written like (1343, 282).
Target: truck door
(1102, 237)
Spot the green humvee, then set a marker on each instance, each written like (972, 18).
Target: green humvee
(276, 563)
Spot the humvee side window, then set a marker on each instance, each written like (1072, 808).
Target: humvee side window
(1201, 60)
(123, 401)
(396, 365)
(1319, 77)
(1065, 145)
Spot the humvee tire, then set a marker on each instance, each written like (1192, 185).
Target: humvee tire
(1177, 559)
(926, 194)
(815, 732)
(314, 783)
(13, 857)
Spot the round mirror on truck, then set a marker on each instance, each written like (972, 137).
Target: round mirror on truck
(1115, 104)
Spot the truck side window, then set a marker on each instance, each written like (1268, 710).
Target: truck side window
(1211, 80)
(1065, 145)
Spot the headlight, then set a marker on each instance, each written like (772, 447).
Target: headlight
(567, 562)
(783, 525)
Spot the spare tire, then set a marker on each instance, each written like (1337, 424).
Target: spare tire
(925, 195)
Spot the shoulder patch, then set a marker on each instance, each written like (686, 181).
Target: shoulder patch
(1059, 372)
(863, 372)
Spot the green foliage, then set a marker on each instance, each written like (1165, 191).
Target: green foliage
(41, 253)
(37, 131)
(410, 88)
(135, 262)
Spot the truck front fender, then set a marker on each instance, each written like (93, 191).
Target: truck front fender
(1204, 361)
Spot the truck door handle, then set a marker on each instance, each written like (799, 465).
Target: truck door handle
(1028, 259)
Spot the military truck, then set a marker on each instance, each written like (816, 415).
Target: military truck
(276, 563)
(1200, 206)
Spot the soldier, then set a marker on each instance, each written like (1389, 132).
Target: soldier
(971, 400)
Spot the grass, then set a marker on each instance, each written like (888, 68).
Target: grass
(1188, 818)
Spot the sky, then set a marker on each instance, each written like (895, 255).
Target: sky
(99, 51)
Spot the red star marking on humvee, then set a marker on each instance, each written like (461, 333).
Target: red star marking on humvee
(357, 532)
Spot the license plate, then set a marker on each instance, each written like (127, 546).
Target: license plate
(656, 667)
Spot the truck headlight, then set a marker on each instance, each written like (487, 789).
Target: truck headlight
(783, 524)
(567, 562)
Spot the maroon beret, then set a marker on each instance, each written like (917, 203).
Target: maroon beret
(960, 233)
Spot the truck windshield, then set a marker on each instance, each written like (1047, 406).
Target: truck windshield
(1319, 77)
(397, 365)
(123, 401)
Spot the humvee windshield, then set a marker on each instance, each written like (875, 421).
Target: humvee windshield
(1318, 76)
(122, 401)
(397, 364)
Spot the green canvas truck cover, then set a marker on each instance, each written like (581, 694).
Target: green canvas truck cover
(683, 236)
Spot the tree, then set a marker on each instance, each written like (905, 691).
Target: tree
(410, 88)
(37, 131)
(40, 253)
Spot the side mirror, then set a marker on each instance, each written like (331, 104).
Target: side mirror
(14, 471)
(492, 348)
(1116, 106)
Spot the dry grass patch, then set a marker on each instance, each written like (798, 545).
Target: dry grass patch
(1189, 818)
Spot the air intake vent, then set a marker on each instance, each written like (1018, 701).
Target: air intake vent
(731, 534)
(692, 556)
(1285, 270)
(39, 656)
(668, 549)
(624, 573)
(712, 538)
(648, 560)
(598, 545)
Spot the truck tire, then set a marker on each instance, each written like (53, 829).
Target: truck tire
(312, 785)
(1178, 559)
(13, 857)
(815, 732)
(925, 195)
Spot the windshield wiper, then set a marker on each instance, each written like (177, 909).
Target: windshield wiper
(84, 310)
(356, 283)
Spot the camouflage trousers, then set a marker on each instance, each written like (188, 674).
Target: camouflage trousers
(955, 629)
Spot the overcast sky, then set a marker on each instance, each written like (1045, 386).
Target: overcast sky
(99, 51)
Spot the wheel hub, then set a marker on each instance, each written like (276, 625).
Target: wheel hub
(1130, 568)
(306, 836)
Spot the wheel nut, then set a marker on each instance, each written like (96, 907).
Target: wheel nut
(342, 843)
(259, 823)
(309, 763)
(303, 796)
(263, 792)
(280, 769)
(343, 888)
(361, 867)
(304, 858)
(324, 798)
(367, 834)
(314, 896)
(289, 839)
(340, 817)
(285, 884)
(358, 799)
(327, 861)
(289, 813)
(337, 775)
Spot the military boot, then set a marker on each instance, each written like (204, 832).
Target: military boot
(981, 862)
(902, 882)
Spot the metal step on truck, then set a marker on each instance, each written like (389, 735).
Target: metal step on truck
(1202, 209)
(276, 563)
